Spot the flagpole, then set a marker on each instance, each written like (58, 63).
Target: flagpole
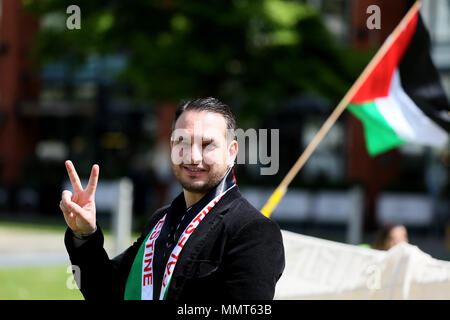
(279, 192)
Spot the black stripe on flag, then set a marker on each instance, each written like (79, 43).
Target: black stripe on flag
(420, 79)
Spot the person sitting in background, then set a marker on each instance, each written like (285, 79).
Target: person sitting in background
(389, 236)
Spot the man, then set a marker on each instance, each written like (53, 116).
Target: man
(208, 244)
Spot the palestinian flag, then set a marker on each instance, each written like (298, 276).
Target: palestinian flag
(402, 99)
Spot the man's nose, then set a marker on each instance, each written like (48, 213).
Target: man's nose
(196, 154)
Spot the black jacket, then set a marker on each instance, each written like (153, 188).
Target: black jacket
(235, 253)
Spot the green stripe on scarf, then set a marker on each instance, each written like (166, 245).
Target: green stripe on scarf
(133, 285)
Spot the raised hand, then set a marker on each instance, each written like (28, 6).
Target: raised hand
(79, 207)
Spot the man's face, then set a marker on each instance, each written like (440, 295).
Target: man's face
(201, 150)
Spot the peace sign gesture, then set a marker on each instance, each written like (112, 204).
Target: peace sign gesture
(79, 207)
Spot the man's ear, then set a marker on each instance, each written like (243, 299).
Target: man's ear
(171, 139)
(232, 152)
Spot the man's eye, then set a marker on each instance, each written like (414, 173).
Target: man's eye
(181, 143)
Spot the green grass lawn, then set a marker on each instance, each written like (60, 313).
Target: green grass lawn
(37, 283)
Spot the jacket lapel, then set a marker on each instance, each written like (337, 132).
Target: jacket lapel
(185, 267)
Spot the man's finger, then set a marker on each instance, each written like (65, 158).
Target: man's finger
(76, 209)
(92, 184)
(63, 207)
(73, 176)
(66, 198)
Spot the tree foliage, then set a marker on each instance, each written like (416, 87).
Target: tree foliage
(249, 53)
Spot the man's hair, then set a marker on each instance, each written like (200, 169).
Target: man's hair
(207, 104)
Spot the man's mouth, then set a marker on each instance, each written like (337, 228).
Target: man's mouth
(194, 171)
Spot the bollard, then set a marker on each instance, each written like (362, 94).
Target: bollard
(355, 217)
(122, 215)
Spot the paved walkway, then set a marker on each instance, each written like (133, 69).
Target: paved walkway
(29, 247)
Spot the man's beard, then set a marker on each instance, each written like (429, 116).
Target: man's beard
(213, 180)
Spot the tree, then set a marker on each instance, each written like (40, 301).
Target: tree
(249, 53)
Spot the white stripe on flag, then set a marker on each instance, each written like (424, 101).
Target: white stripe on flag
(406, 118)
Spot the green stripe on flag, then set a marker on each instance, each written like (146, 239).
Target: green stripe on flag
(380, 137)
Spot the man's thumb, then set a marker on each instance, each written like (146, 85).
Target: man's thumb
(75, 208)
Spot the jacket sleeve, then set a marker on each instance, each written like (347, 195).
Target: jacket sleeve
(98, 276)
(255, 261)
